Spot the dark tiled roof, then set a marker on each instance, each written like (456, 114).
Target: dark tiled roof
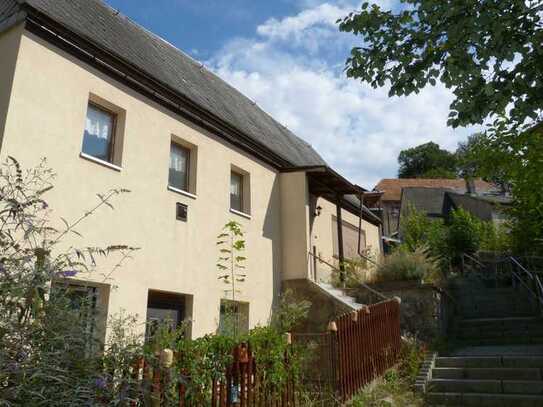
(103, 26)
(392, 188)
(427, 200)
(7, 9)
(483, 207)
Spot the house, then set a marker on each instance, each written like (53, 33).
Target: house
(440, 202)
(110, 105)
(389, 207)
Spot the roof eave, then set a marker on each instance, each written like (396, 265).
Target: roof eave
(101, 58)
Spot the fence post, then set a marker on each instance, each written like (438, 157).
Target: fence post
(336, 357)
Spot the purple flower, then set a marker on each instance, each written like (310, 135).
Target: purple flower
(67, 273)
(100, 383)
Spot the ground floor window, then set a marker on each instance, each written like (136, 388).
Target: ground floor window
(84, 300)
(234, 318)
(166, 309)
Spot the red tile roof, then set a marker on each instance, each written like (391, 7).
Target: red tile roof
(392, 188)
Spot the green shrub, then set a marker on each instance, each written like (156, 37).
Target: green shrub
(418, 230)
(48, 353)
(464, 235)
(405, 265)
(355, 271)
(495, 238)
(448, 241)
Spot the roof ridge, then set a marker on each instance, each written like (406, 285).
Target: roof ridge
(118, 13)
(200, 64)
(181, 74)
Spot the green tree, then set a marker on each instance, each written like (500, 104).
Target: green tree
(488, 52)
(471, 156)
(464, 235)
(518, 158)
(427, 161)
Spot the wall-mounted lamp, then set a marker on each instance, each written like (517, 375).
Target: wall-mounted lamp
(318, 210)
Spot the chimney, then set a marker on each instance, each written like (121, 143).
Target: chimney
(470, 186)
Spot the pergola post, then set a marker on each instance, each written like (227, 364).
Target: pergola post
(341, 254)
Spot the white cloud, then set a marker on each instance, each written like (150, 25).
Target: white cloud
(293, 69)
(324, 14)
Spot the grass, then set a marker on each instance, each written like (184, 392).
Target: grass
(391, 390)
(396, 387)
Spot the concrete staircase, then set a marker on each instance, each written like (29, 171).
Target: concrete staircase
(499, 360)
(508, 381)
(339, 295)
(496, 316)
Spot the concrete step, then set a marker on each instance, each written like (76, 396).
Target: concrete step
(487, 373)
(498, 313)
(513, 361)
(513, 322)
(497, 341)
(483, 400)
(497, 333)
(517, 298)
(339, 295)
(486, 386)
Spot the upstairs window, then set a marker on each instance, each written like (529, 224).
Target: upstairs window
(236, 191)
(179, 167)
(99, 136)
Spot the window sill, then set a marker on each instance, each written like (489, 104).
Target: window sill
(181, 192)
(242, 214)
(101, 162)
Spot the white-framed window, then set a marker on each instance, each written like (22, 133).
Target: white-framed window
(103, 134)
(236, 191)
(182, 167)
(179, 173)
(240, 192)
(89, 304)
(99, 134)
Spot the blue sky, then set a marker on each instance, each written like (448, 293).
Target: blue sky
(288, 56)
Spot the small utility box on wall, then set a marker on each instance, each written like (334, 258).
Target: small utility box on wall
(181, 211)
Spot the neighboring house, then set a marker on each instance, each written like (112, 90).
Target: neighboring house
(389, 207)
(439, 203)
(112, 105)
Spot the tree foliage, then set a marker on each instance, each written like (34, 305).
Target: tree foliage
(488, 52)
(231, 261)
(517, 159)
(448, 240)
(427, 161)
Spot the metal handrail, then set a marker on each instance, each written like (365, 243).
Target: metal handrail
(531, 276)
(334, 268)
(518, 275)
(473, 259)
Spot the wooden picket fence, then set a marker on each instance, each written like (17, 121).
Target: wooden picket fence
(368, 344)
(359, 347)
(242, 386)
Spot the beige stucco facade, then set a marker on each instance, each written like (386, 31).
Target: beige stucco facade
(44, 106)
(322, 237)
